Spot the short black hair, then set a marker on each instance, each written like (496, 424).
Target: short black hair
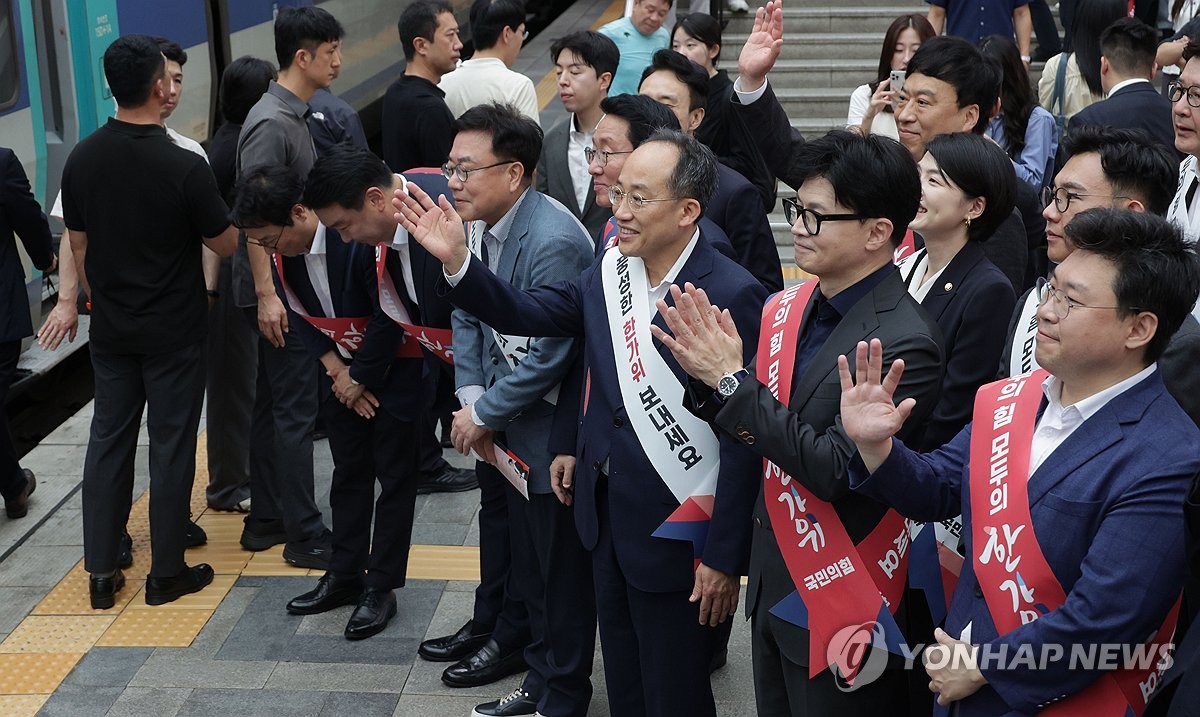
(1129, 45)
(1135, 165)
(1191, 49)
(980, 168)
(420, 19)
(265, 197)
(132, 64)
(342, 175)
(242, 85)
(172, 50)
(514, 136)
(644, 115)
(685, 70)
(703, 28)
(871, 175)
(303, 28)
(695, 172)
(957, 63)
(490, 17)
(1156, 268)
(597, 51)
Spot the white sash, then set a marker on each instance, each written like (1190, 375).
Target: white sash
(1178, 212)
(514, 348)
(682, 448)
(1021, 358)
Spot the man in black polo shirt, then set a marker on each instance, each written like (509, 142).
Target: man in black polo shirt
(138, 208)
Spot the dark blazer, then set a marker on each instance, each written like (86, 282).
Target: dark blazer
(807, 440)
(1107, 508)
(1179, 693)
(776, 137)
(735, 207)
(554, 179)
(20, 215)
(728, 137)
(970, 302)
(639, 501)
(1136, 106)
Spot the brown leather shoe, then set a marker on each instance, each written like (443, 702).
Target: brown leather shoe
(18, 505)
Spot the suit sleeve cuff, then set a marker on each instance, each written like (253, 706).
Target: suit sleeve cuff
(747, 97)
(468, 395)
(453, 279)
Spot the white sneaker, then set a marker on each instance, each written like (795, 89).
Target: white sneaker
(738, 6)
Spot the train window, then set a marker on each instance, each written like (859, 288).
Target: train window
(10, 77)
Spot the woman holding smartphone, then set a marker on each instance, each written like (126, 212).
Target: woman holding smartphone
(872, 105)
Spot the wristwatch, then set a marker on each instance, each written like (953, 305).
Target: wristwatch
(729, 383)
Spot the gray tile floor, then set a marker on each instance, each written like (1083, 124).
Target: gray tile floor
(252, 658)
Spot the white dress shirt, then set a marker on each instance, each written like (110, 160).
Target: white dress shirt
(577, 163)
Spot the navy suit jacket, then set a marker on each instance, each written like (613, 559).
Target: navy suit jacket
(638, 500)
(1136, 106)
(970, 302)
(1107, 508)
(736, 207)
(22, 216)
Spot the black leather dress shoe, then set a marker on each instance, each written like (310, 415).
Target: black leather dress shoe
(375, 608)
(125, 550)
(160, 591)
(517, 703)
(451, 648)
(486, 666)
(260, 535)
(18, 505)
(103, 590)
(331, 591)
(448, 480)
(194, 535)
(718, 660)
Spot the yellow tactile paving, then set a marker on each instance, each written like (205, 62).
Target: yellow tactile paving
(39, 673)
(271, 562)
(207, 599)
(443, 562)
(70, 596)
(155, 628)
(56, 633)
(224, 557)
(21, 705)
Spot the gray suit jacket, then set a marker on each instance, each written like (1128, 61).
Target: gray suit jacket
(554, 179)
(513, 402)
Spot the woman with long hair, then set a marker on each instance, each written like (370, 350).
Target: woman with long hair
(872, 105)
(1025, 131)
(1081, 86)
(967, 190)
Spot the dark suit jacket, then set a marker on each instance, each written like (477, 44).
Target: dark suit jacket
(554, 179)
(1179, 693)
(807, 440)
(1106, 500)
(735, 207)
(970, 302)
(639, 501)
(770, 127)
(1136, 106)
(20, 215)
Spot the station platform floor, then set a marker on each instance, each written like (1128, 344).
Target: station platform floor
(232, 649)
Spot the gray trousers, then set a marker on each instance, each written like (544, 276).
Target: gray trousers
(281, 437)
(232, 357)
(171, 388)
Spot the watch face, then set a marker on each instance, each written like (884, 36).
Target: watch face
(727, 385)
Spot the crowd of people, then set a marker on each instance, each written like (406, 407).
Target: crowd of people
(958, 466)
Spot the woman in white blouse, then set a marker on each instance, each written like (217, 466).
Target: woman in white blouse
(872, 105)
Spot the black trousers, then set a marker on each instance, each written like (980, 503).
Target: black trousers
(382, 449)
(440, 401)
(656, 653)
(232, 357)
(171, 388)
(1045, 28)
(281, 437)
(554, 579)
(497, 601)
(12, 480)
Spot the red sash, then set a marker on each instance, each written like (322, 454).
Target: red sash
(908, 247)
(839, 583)
(1003, 540)
(439, 342)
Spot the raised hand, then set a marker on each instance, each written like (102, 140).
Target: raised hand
(869, 414)
(436, 225)
(762, 47)
(703, 338)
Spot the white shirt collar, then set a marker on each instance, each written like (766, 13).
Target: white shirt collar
(1087, 407)
(686, 254)
(400, 238)
(1124, 84)
(318, 242)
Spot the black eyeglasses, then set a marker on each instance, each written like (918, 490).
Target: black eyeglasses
(1062, 303)
(268, 243)
(811, 218)
(1177, 89)
(1061, 197)
(450, 171)
(590, 154)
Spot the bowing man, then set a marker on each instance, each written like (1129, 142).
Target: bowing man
(1071, 482)
(822, 555)
(644, 491)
